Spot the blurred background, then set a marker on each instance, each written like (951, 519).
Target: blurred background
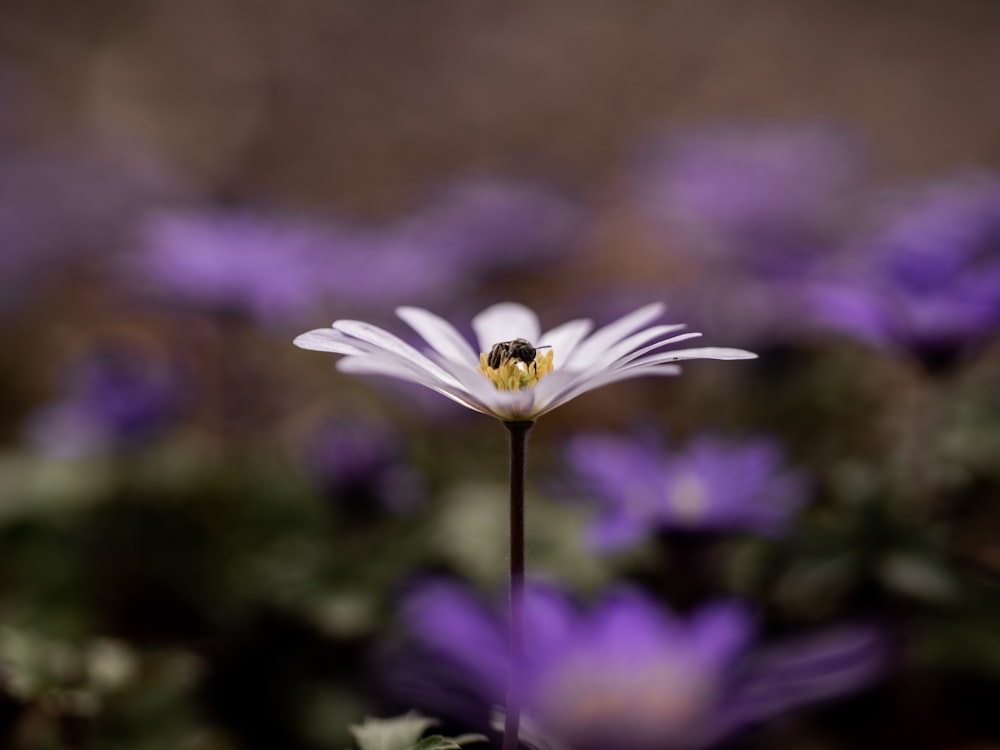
(210, 539)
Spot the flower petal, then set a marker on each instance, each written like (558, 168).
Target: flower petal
(564, 338)
(588, 382)
(390, 343)
(327, 340)
(439, 333)
(504, 322)
(627, 345)
(629, 357)
(469, 378)
(708, 352)
(394, 367)
(506, 405)
(598, 342)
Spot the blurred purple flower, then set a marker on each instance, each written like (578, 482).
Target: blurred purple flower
(361, 466)
(270, 267)
(277, 267)
(626, 673)
(764, 200)
(741, 215)
(111, 399)
(928, 281)
(709, 485)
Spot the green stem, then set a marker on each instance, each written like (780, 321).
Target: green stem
(517, 433)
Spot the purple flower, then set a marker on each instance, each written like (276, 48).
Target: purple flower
(361, 466)
(270, 267)
(764, 199)
(741, 215)
(111, 399)
(928, 280)
(276, 267)
(710, 484)
(625, 673)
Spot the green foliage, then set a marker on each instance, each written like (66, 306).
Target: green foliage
(403, 733)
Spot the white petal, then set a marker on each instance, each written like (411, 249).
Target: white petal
(439, 333)
(505, 322)
(625, 359)
(327, 340)
(708, 352)
(563, 339)
(389, 343)
(590, 382)
(469, 378)
(598, 342)
(627, 345)
(550, 387)
(501, 404)
(396, 368)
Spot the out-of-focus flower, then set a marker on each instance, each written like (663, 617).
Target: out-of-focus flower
(626, 673)
(361, 465)
(265, 266)
(741, 215)
(278, 267)
(112, 399)
(515, 390)
(761, 199)
(711, 484)
(928, 281)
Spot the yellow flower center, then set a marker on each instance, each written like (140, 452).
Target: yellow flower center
(513, 374)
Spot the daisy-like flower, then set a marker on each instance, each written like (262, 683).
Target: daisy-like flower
(516, 373)
(711, 484)
(526, 378)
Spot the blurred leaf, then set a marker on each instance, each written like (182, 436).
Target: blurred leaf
(398, 733)
(918, 577)
(74, 680)
(438, 742)
(33, 486)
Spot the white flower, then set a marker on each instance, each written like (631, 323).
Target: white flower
(575, 363)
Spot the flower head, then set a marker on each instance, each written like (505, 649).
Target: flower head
(708, 484)
(626, 672)
(112, 398)
(929, 280)
(574, 361)
(275, 267)
(762, 199)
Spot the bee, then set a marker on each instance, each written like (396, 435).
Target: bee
(519, 349)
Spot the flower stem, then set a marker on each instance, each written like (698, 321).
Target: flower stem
(517, 433)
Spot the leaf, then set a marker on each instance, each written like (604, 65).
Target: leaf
(398, 733)
(468, 739)
(437, 742)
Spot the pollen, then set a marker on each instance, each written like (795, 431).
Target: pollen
(515, 375)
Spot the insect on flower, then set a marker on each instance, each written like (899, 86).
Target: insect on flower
(519, 349)
(526, 384)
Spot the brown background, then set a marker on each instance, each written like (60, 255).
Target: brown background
(357, 106)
